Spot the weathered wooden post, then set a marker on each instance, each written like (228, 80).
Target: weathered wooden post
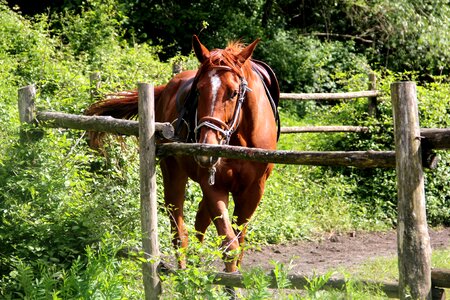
(27, 113)
(147, 160)
(95, 82)
(372, 108)
(27, 108)
(177, 67)
(414, 250)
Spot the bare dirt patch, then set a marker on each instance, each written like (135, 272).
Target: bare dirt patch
(334, 250)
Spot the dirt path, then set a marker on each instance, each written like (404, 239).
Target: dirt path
(332, 251)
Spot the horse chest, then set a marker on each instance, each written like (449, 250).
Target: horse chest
(236, 175)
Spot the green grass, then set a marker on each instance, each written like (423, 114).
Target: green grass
(386, 268)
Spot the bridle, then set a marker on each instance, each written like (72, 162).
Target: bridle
(219, 125)
(222, 127)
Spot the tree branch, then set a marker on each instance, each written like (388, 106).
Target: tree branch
(347, 36)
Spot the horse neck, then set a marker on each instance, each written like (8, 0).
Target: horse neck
(256, 114)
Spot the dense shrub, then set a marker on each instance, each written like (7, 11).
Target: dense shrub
(375, 190)
(59, 200)
(306, 64)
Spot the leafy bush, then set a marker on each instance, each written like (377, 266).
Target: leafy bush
(407, 35)
(97, 274)
(58, 199)
(375, 189)
(305, 64)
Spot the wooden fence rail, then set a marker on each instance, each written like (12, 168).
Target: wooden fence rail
(98, 123)
(439, 278)
(371, 95)
(295, 129)
(329, 96)
(359, 159)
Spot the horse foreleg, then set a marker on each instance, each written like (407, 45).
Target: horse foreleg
(217, 204)
(246, 203)
(174, 192)
(202, 219)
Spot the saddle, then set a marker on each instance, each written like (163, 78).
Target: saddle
(187, 101)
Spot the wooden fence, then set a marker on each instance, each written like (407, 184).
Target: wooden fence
(371, 94)
(416, 277)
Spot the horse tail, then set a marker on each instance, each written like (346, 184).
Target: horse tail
(121, 105)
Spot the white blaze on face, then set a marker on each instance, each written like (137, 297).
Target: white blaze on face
(215, 85)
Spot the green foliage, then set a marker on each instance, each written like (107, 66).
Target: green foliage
(96, 26)
(281, 275)
(401, 35)
(386, 268)
(58, 199)
(407, 35)
(375, 192)
(196, 281)
(434, 112)
(309, 65)
(98, 274)
(172, 23)
(316, 284)
(256, 283)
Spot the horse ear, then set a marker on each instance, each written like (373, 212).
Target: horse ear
(201, 51)
(247, 52)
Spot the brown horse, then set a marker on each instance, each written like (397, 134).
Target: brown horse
(230, 99)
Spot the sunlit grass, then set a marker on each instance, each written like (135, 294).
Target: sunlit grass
(386, 268)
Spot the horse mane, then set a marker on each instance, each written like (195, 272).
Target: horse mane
(228, 57)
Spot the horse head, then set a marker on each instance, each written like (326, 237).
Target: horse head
(222, 87)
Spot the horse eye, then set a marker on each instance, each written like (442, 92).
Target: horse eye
(233, 94)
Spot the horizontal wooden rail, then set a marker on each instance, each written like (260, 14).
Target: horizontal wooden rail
(433, 138)
(439, 277)
(436, 138)
(359, 159)
(301, 282)
(329, 96)
(97, 123)
(296, 129)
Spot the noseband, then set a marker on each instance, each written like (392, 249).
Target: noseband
(219, 125)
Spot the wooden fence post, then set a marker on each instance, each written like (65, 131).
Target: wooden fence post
(177, 67)
(27, 114)
(95, 82)
(147, 160)
(372, 108)
(27, 109)
(413, 241)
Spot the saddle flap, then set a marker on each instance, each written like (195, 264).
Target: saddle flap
(269, 78)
